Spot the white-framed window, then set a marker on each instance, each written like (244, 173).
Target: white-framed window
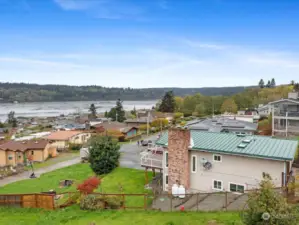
(166, 179)
(236, 187)
(193, 163)
(217, 185)
(166, 159)
(10, 157)
(217, 158)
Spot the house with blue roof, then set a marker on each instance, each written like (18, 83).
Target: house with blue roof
(204, 161)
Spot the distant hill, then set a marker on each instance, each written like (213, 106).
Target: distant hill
(22, 92)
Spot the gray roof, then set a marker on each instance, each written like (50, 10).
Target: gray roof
(296, 101)
(219, 124)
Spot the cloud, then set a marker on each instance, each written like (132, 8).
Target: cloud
(112, 9)
(205, 45)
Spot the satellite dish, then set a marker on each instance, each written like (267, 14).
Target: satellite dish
(207, 165)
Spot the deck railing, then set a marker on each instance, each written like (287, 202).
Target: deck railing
(151, 159)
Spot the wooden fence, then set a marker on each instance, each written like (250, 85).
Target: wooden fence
(45, 201)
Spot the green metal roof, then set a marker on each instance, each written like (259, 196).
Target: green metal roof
(227, 143)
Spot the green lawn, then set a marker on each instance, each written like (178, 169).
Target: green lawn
(74, 216)
(131, 181)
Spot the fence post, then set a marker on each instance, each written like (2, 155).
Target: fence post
(197, 202)
(145, 201)
(36, 202)
(124, 200)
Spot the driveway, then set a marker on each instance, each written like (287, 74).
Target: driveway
(130, 154)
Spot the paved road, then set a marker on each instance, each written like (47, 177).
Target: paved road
(130, 154)
(130, 157)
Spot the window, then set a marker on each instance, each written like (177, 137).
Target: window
(217, 158)
(236, 188)
(166, 179)
(10, 157)
(32, 152)
(20, 156)
(193, 164)
(166, 159)
(217, 185)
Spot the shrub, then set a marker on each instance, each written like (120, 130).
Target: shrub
(103, 154)
(113, 202)
(89, 185)
(90, 202)
(75, 147)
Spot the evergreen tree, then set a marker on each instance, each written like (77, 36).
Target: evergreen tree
(292, 82)
(268, 84)
(273, 83)
(12, 119)
(168, 102)
(93, 111)
(106, 114)
(261, 83)
(134, 112)
(117, 113)
(103, 154)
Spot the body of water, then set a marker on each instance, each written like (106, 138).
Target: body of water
(47, 109)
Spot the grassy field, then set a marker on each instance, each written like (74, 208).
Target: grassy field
(131, 181)
(75, 216)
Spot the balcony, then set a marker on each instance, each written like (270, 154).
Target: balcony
(152, 157)
(289, 115)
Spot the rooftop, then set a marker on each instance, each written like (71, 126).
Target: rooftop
(219, 124)
(62, 135)
(24, 145)
(227, 143)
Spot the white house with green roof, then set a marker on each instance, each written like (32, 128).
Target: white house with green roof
(208, 161)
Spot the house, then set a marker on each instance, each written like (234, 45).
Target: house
(62, 139)
(222, 124)
(264, 110)
(15, 152)
(127, 131)
(211, 161)
(253, 112)
(285, 115)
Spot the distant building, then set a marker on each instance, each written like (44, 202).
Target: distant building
(222, 124)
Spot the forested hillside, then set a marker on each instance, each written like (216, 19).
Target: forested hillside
(22, 92)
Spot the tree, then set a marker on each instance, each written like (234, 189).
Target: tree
(106, 114)
(179, 103)
(117, 113)
(103, 154)
(89, 185)
(292, 82)
(267, 206)
(268, 84)
(273, 83)
(93, 111)
(12, 120)
(158, 123)
(296, 87)
(261, 83)
(134, 112)
(200, 110)
(168, 102)
(229, 106)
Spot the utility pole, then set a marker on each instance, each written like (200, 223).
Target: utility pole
(116, 117)
(147, 123)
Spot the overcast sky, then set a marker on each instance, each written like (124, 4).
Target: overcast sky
(149, 43)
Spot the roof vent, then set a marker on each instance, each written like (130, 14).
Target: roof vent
(246, 141)
(241, 135)
(242, 145)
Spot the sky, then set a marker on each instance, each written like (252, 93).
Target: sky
(149, 43)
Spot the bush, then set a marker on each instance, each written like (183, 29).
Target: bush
(75, 147)
(89, 185)
(103, 154)
(90, 202)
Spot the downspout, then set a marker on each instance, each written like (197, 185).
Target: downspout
(285, 174)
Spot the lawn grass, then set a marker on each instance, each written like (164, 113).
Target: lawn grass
(74, 216)
(131, 181)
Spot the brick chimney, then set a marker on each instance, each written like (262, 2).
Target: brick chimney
(178, 157)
